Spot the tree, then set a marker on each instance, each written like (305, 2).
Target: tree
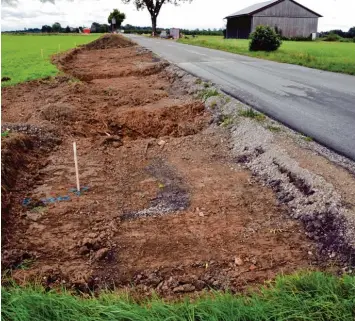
(95, 27)
(119, 17)
(153, 6)
(351, 32)
(56, 27)
(67, 29)
(46, 28)
(104, 28)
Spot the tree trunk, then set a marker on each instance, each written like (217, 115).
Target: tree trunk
(154, 25)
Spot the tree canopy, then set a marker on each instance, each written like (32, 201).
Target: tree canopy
(153, 6)
(56, 27)
(119, 16)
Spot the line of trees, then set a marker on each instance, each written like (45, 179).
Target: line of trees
(56, 27)
(140, 30)
(340, 33)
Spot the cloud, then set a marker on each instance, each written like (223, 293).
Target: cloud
(338, 14)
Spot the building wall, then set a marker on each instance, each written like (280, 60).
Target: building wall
(239, 27)
(286, 8)
(290, 27)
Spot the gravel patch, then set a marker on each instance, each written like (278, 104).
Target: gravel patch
(173, 195)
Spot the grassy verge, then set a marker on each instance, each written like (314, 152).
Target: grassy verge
(308, 296)
(22, 54)
(331, 56)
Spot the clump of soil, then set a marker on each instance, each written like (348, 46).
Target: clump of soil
(58, 112)
(166, 207)
(109, 41)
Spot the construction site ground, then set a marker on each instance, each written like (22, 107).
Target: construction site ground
(164, 207)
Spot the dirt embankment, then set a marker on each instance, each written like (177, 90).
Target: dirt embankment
(165, 207)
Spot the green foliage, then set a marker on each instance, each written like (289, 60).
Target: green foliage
(56, 27)
(251, 113)
(312, 296)
(332, 37)
(331, 56)
(227, 121)
(274, 129)
(119, 16)
(207, 93)
(5, 133)
(21, 54)
(307, 138)
(264, 38)
(99, 28)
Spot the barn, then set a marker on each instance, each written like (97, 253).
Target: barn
(290, 17)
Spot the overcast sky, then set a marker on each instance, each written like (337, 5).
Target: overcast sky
(337, 14)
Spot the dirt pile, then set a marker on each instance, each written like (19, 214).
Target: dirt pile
(164, 205)
(176, 121)
(110, 42)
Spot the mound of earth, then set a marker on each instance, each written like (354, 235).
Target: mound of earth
(110, 41)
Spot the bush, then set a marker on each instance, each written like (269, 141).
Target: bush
(332, 37)
(264, 38)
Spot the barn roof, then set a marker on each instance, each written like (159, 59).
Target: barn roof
(261, 6)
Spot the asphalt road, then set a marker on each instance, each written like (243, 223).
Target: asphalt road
(316, 103)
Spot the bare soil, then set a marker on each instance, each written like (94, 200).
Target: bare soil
(167, 208)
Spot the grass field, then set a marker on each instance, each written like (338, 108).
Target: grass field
(312, 296)
(331, 56)
(22, 59)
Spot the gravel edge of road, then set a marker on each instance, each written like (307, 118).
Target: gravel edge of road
(307, 196)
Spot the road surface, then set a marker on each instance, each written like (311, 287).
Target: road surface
(316, 103)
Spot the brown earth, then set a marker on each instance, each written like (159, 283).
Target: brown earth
(166, 208)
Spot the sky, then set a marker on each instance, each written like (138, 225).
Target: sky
(337, 14)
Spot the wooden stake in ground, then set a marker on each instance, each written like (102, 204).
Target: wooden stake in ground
(76, 168)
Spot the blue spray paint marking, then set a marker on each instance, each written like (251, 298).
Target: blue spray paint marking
(26, 201)
(82, 190)
(50, 200)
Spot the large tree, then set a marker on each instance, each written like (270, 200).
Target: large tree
(119, 17)
(56, 27)
(153, 6)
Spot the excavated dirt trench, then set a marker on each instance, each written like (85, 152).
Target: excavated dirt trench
(166, 207)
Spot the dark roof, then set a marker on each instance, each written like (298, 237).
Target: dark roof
(261, 6)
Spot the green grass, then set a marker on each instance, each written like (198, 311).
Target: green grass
(331, 56)
(5, 133)
(307, 138)
(250, 113)
(22, 59)
(207, 93)
(311, 296)
(274, 129)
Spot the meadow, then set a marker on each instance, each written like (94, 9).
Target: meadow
(22, 54)
(331, 56)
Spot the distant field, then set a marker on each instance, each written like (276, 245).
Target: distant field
(332, 56)
(21, 54)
